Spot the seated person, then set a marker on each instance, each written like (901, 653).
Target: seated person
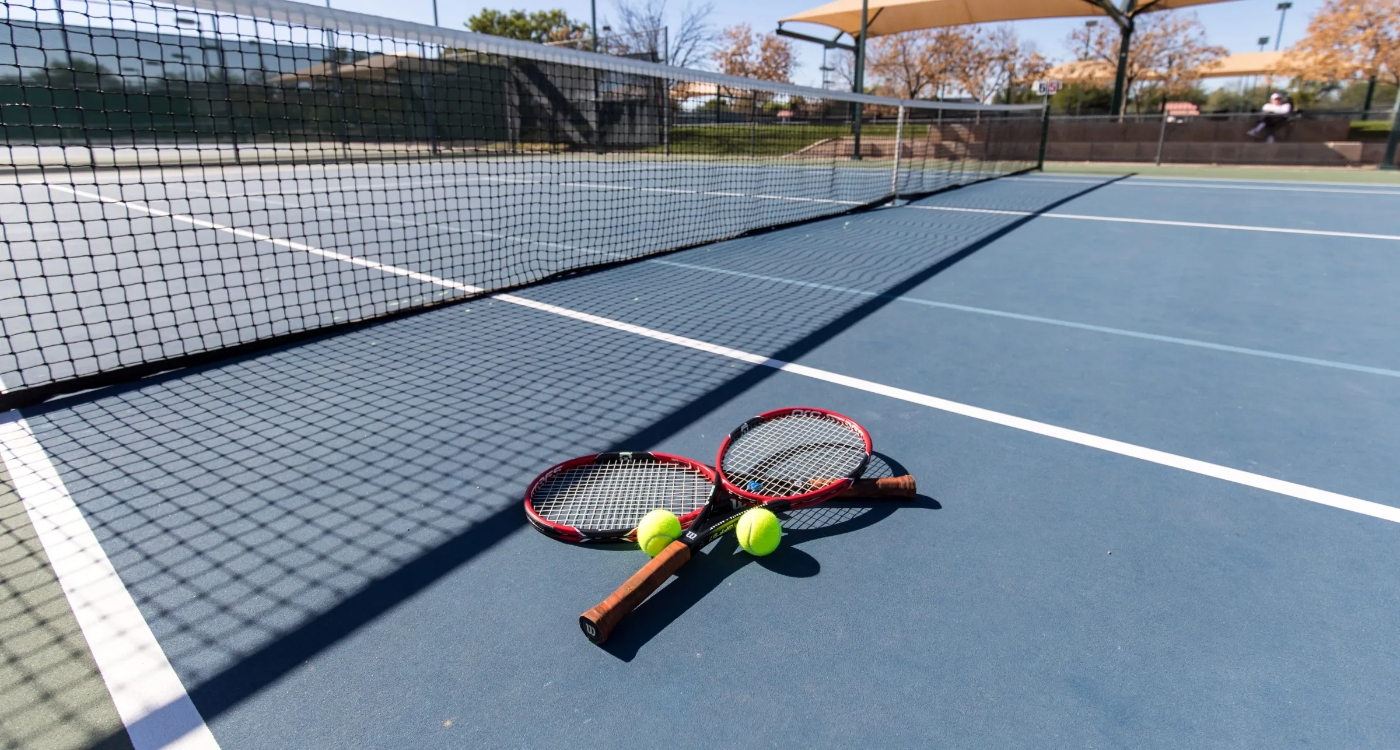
(1275, 114)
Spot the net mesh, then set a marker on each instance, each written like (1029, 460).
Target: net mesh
(186, 178)
(614, 495)
(793, 454)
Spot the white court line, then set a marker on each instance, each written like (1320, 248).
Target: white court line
(928, 303)
(1248, 479)
(1245, 478)
(1188, 183)
(1263, 188)
(142, 683)
(1164, 222)
(148, 695)
(1222, 185)
(1039, 319)
(414, 183)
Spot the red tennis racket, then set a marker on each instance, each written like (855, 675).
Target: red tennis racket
(783, 459)
(602, 498)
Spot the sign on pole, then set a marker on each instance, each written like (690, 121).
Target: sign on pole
(1048, 87)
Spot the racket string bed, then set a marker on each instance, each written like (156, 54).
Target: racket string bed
(793, 454)
(616, 495)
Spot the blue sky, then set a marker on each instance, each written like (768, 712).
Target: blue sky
(1235, 25)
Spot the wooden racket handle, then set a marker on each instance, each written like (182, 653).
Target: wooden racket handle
(889, 487)
(598, 623)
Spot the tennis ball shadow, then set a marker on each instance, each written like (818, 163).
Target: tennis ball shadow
(790, 561)
(709, 569)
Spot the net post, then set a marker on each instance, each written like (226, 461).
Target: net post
(666, 92)
(753, 126)
(1162, 134)
(1044, 134)
(898, 148)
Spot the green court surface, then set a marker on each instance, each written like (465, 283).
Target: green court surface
(53, 694)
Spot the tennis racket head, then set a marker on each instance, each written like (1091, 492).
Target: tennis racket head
(798, 455)
(602, 497)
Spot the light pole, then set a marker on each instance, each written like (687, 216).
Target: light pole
(1079, 86)
(593, 25)
(1282, 14)
(435, 16)
(1263, 42)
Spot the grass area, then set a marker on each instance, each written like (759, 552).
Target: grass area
(739, 139)
(1356, 175)
(1376, 130)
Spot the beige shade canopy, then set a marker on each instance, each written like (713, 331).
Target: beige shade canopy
(1082, 71)
(1243, 64)
(894, 16)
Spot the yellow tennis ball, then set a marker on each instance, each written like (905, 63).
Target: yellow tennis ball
(759, 531)
(657, 530)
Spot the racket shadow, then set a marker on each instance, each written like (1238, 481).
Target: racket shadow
(722, 559)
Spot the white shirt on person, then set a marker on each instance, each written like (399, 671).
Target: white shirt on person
(1282, 108)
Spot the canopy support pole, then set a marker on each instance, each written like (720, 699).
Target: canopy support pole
(1391, 144)
(859, 76)
(1120, 79)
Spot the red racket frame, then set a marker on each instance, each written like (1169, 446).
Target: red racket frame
(571, 534)
(807, 498)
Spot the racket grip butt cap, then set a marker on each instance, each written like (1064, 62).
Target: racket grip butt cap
(598, 623)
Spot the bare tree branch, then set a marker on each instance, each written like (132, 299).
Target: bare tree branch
(690, 45)
(639, 29)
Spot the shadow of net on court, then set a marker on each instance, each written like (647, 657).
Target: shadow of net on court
(261, 510)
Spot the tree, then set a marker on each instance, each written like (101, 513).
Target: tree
(1013, 64)
(540, 26)
(1349, 39)
(898, 64)
(974, 70)
(641, 24)
(1126, 19)
(916, 64)
(739, 54)
(1170, 48)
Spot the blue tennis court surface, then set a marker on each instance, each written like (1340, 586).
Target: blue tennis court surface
(1154, 425)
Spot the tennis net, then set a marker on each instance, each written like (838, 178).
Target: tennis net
(192, 179)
